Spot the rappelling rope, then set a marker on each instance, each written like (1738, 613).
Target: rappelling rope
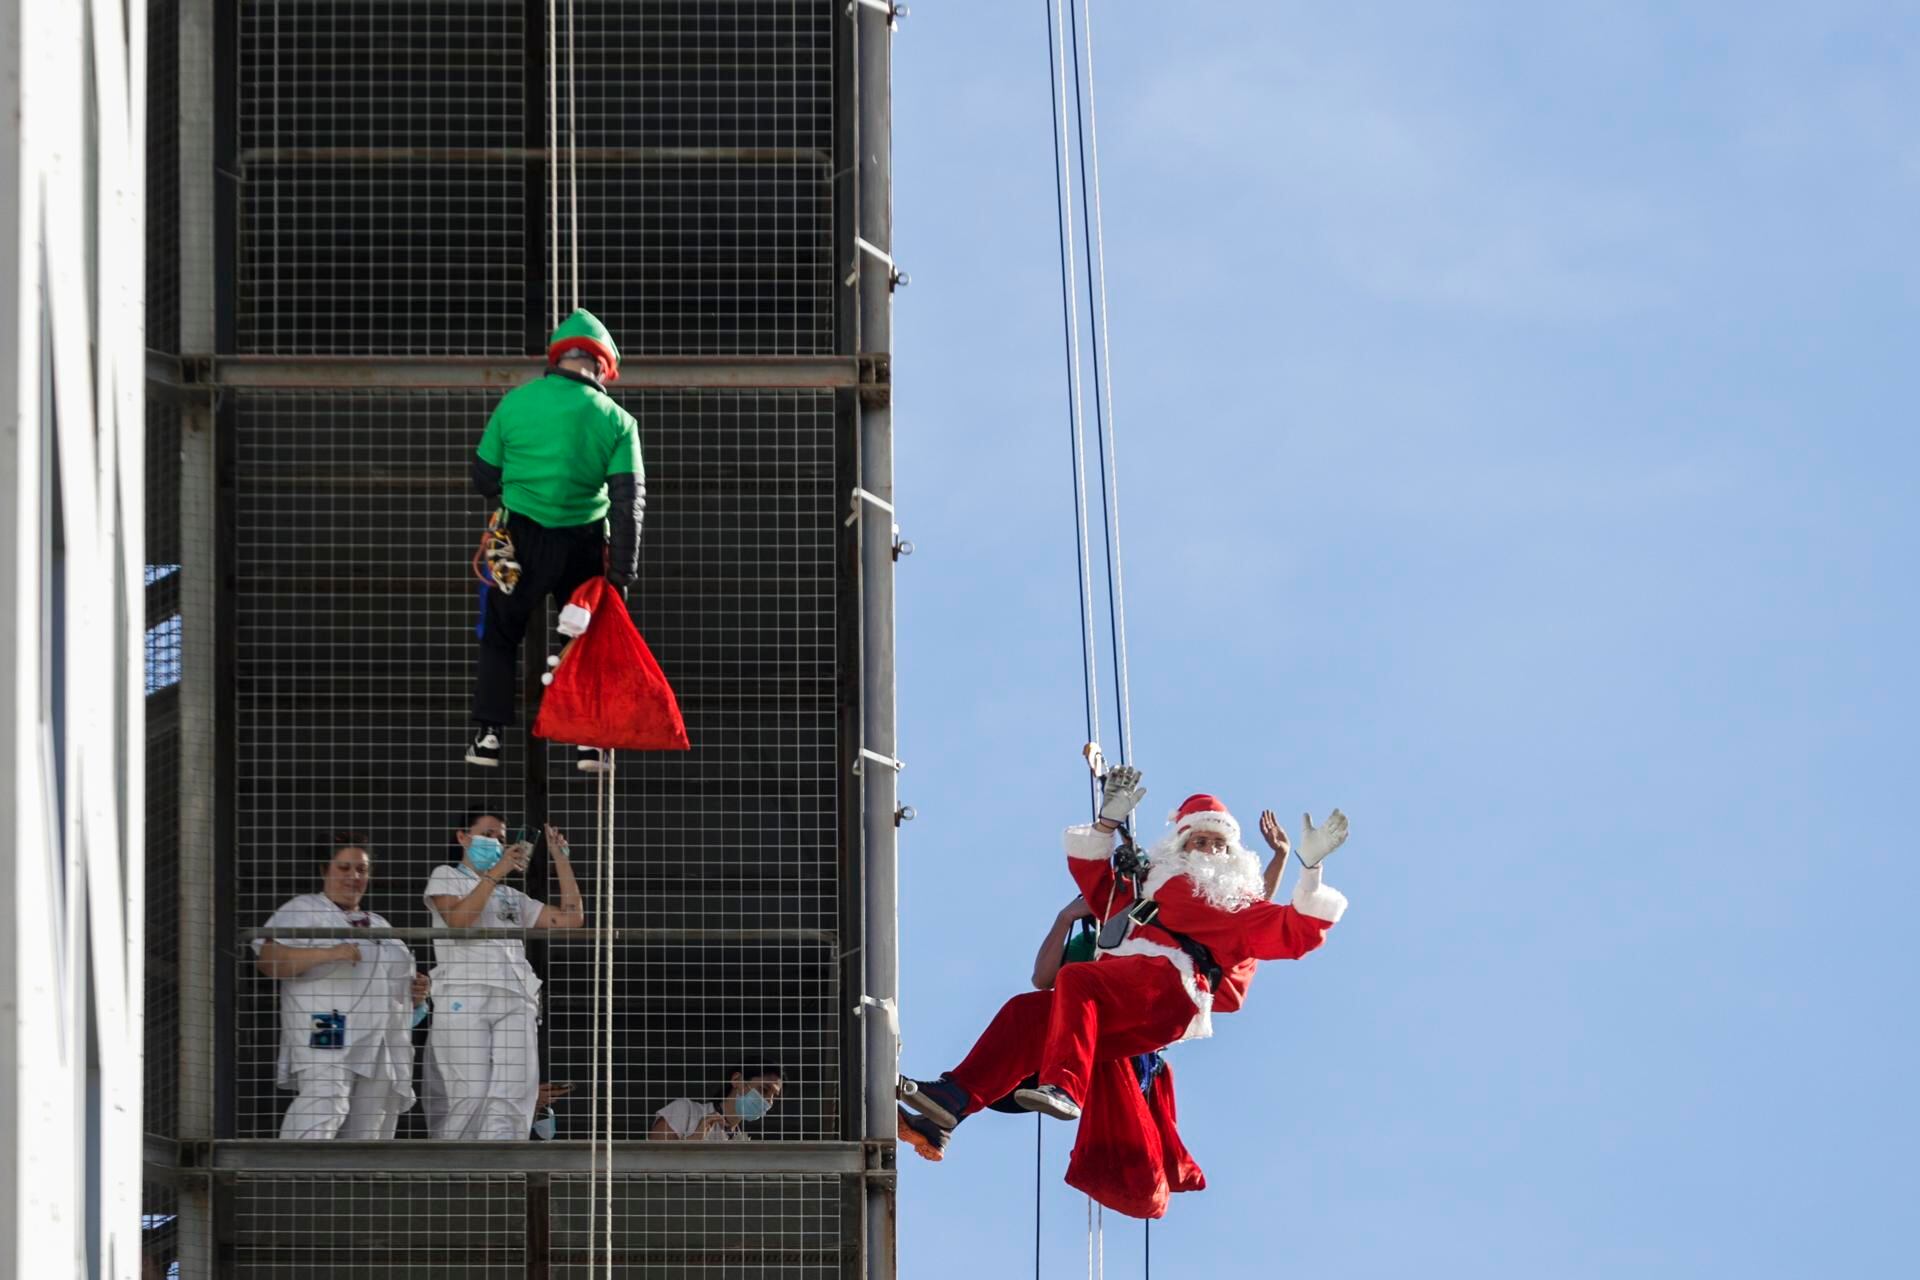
(564, 297)
(1093, 234)
(1069, 119)
(1063, 202)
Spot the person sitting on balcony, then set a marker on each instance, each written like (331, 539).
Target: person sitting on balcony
(749, 1094)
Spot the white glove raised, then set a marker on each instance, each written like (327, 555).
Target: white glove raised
(1317, 842)
(1120, 793)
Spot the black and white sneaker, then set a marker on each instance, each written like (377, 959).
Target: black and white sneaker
(590, 760)
(484, 750)
(1048, 1100)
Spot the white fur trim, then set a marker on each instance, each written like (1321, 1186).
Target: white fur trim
(1089, 842)
(574, 620)
(1321, 901)
(1209, 820)
(1202, 1024)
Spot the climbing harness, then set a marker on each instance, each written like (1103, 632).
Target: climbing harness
(493, 561)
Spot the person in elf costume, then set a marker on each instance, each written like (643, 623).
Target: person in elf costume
(561, 463)
(1178, 939)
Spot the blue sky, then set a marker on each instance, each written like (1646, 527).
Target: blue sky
(1516, 416)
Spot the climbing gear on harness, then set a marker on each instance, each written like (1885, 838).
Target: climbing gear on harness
(493, 561)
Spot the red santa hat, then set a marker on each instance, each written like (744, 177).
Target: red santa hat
(1203, 813)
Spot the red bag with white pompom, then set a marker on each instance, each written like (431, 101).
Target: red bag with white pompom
(607, 690)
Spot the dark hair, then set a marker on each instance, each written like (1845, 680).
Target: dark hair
(472, 816)
(344, 840)
(748, 1073)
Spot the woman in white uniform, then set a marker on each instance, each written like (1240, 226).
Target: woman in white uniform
(749, 1095)
(346, 1042)
(483, 1058)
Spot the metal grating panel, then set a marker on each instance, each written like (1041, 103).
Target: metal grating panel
(705, 184)
(163, 175)
(739, 1228)
(382, 208)
(162, 869)
(378, 1227)
(353, 608)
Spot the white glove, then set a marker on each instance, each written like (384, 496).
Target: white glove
(1317, 842)
(574, 620)
(1120, 793)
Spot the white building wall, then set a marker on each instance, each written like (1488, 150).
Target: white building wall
(72, 103)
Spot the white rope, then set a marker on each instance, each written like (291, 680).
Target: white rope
(1104, 355)
(593, 1078)
(1069, 294)
(553, 162)
(573, 169)
(605, 1085)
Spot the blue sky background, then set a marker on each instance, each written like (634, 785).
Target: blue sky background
(1517, 439)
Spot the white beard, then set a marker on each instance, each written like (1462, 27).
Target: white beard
(1227, 880)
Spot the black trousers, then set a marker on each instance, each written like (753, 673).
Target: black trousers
(553, 562)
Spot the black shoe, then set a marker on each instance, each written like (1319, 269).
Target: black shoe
(1048, 1100)
(927, 1139)
(484, 750)
(941, 1101)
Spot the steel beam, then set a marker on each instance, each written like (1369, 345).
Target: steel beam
(687, 1159)
(618, 156)
(631, 937)
(498, 373)
(873, 275)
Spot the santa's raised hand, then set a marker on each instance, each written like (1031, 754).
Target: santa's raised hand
(1317, 842)
(1120, 794)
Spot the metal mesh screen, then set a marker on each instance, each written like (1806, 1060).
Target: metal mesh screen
(741, 1228)
(163, 175)
(383, 198)
(353, 610)
(378, 1227)
(162, 870)
(706, 141)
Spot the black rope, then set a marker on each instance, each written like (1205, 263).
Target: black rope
(1146, 1234)
(1107, 500)
(1039, 1128)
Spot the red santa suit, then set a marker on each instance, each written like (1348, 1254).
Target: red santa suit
(1145, 993)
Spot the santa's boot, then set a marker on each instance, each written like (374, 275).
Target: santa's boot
(1048, 1100)
(928, 1139)
(941, 1101)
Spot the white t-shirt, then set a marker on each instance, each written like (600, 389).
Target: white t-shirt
(373, 997)
(683, 1116)
(497, 963)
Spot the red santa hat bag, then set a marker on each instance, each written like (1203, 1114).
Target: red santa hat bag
(607, 690)
(1128, 1154)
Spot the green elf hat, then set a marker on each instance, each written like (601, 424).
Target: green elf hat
(582, 331)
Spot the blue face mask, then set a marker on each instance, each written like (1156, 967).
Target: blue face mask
(751, 1106)
(483, 852)
(420, 1012)
(547, 1125)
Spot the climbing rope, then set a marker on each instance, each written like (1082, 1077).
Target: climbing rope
(1069, 32)
(564, 297)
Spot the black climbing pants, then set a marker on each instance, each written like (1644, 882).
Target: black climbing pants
(553, 562)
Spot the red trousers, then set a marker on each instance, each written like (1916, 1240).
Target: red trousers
(1096, 1011)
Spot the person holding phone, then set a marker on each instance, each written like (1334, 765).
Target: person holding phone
(483, 1056)
(345, 1004)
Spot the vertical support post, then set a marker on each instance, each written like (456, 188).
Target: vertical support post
(873, 212)
(199, 484)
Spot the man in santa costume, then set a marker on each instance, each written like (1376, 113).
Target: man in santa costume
(1178, 941)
